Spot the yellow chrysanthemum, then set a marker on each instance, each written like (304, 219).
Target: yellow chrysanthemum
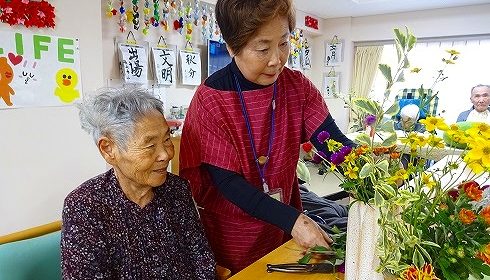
(453, 130)
(351, 158)
(352, 172)
(431, 123)
(399, 175)
(480, 152)
(435, 141)
(428, 181)
(333, 145)
(474, 165)
(414, 140)
(448, 61)
(452, 52)
(480, 129)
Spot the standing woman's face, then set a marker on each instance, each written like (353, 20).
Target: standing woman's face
(263, 58)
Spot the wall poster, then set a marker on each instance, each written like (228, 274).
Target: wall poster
(38, 70)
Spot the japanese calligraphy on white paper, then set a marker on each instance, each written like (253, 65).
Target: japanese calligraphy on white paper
(190, 63)
(330, 86)
(134, 63)
(164, 60)
(305, 56)
(333, 54)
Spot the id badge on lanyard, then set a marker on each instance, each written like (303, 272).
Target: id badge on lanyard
(261, 161)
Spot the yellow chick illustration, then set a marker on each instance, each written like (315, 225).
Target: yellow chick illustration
(67, 80)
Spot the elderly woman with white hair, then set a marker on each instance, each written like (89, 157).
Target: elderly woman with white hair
(408, 120)
(135, 221)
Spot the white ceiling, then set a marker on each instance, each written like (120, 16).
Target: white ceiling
(355, 8)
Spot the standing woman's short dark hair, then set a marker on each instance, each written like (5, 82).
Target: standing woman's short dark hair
(238, 20)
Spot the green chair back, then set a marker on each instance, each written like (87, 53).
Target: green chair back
(37, 258)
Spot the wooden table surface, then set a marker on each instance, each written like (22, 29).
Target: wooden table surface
(289, 252)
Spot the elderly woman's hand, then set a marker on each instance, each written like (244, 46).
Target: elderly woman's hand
(307, 233)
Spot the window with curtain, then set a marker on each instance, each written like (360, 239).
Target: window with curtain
(471, 68)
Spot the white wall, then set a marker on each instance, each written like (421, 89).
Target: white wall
(468, 20)
(44, 154)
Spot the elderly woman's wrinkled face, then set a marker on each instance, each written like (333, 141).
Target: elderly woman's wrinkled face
(263, 58)
(149, 150)
(480, 97)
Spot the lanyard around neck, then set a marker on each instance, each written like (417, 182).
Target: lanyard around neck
(260, 168)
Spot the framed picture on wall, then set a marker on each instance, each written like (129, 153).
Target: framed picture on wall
(333, 53)
(331, 84)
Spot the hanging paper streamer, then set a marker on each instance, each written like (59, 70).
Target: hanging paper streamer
(122, 17)
(155, 20)
(133, 63)
(165, 15)
(164, 62)
(305, 54)
(188, 22)
(190, 63)
(196, 12)
(204, 23)
(295, 50)
(110, 10)
(146, 17)
(135, 15)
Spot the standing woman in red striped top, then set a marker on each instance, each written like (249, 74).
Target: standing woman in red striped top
(242, 135)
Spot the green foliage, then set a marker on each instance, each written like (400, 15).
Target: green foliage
(420, 223)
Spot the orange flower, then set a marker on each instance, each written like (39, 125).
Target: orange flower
(472, 190)
(361, 150)
(485, 213)
(484, 254)
(467, 216)
(380, 150)
(413, 273)
(394, 155)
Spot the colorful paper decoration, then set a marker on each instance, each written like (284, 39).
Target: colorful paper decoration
(123, 17)
(179, 15)
(311, 22)
(28, 13)
(136, 15)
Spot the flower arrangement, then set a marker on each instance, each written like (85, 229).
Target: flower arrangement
(434, 223)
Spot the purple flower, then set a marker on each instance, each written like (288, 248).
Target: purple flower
(337, 158)
(345, 150)
(317, 159)
(370, 119)
(322, 136)
(341, 268)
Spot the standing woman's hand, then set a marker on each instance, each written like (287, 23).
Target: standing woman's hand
(307, 233)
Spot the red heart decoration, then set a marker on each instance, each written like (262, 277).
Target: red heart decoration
(15, 59)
